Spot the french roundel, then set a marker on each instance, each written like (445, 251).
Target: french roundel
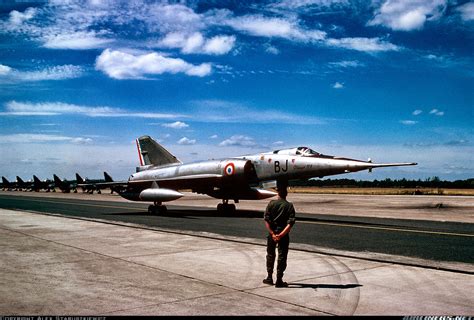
(229, 169)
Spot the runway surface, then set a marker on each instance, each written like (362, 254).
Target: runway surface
(430, 240)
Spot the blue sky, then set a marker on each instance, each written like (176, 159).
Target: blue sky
(390, 80)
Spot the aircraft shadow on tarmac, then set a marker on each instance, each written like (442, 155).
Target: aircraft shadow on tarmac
(194, 214)
(323, 286)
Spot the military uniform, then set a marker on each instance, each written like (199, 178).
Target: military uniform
(279, 213)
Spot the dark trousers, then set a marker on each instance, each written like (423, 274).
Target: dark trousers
(283, 246)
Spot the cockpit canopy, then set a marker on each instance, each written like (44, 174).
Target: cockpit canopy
(299, 151)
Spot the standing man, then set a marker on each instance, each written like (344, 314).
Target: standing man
(279, 219)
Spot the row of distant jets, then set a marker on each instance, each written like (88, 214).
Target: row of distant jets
(65, 186)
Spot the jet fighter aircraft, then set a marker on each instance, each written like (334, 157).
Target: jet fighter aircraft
(161, 175)
(7, 185)
(64, 185)
(116, 186)
(38, 185)
(87, 185)
(97, 185)
(22, 185)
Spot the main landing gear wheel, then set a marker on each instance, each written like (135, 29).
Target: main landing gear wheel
(226, 208)
(157, 209)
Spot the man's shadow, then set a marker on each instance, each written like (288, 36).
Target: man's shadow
(323, 286)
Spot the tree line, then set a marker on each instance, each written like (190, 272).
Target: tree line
(432, 182)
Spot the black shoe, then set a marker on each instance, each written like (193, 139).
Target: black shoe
(281, 284)
(268, 281)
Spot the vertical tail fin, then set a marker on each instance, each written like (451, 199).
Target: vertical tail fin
(79, 179)
(37, 184)
(6, 185)
(152, 153)
(19, 180)
(107, 177)
(57, 180)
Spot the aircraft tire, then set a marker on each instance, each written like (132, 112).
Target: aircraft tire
(151, 209)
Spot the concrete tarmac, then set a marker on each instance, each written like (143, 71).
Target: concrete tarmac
(55, 265)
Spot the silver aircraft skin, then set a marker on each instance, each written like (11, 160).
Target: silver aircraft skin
(161, 175)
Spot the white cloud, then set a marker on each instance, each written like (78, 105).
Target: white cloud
(408, 122)
(214, 136)
(186, 141)
(258, 25)
(41, 138)
(175, 125)
(193, 43)
(239, 140)
(271, 49)
(166, 17)
(227, 111)
(219, 45)
(57, 108)
(278, 143)
(307, 4)
(338, 85)
(467, 11)
(8, 74)
(4, 70)
(75, 41)
(437, 112)
(122, 65)
(417, 112)
(289, 28)
(88, 24)
(81, 140)
(346, 64)
(196, 43)
(363, 44)
(403, 15)
(54, 108)
(17, 18)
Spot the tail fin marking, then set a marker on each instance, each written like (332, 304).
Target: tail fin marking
(152, 153)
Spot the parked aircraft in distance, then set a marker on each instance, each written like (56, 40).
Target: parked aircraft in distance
(88, 185)
(64, 185)
(21, 185)
(161, 175)
(38, 185)
(117, 186)
(7, 185)
(97, 185)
